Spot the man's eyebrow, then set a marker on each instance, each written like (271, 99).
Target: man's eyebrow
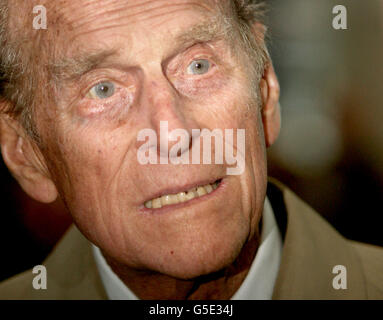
(215, 29)
(70, 68)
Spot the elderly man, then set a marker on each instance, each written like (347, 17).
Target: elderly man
(76, 99)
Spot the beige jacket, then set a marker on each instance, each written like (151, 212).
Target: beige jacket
(310, 251)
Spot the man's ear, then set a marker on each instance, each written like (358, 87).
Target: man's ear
(25, 161)
(270, 90)
(271, 110)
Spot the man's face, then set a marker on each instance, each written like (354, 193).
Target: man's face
(145, 56)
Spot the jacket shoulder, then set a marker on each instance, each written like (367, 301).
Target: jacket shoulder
(312, 247)
(17, 286)
(71, 274)
(371, 258)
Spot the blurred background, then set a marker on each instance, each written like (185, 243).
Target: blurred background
(330, 151)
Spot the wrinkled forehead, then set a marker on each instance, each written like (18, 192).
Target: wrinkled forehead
(88, 15)
(77, 23)
(80, 12)
(83, 16)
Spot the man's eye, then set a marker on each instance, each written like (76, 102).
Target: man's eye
(198, 67)
(102, 90)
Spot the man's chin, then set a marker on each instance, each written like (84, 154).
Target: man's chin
(190, 264)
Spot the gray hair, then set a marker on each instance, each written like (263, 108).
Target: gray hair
(18, 74)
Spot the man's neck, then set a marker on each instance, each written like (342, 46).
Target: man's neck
(220, 285)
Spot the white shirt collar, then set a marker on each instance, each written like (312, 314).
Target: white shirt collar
(258, 284)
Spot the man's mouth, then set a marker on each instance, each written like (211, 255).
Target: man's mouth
(184, 196)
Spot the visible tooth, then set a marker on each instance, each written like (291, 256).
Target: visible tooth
(208, 188)
(201, 191)
(157, 203)
(165, 200)
(173, 199)
(181, 197)
(190, 195)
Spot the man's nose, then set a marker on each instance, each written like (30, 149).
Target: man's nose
(168, 114)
